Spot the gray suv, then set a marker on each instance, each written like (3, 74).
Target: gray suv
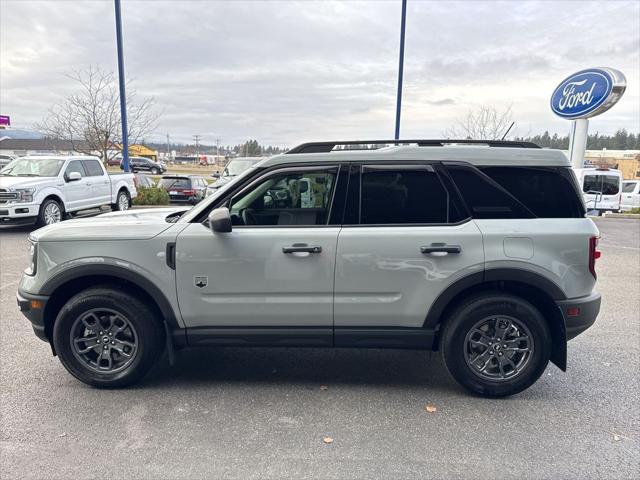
(480, 250)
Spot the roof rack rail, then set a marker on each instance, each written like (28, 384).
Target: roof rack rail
(324, 147)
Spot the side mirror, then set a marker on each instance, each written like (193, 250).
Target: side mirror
(74, 176)
(215, 175)
(220, 220)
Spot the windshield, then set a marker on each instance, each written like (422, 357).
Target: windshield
(33, 167)
(236, 167)
(628, 186)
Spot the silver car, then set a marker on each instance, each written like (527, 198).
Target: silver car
(484, 254)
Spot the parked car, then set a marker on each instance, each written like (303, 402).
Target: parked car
(142, 180)
(601, 189)
(234, 168)
(484, 254)
(44, 190)
(184, 188)
(630, 195)
(141, 164)
(6, 159)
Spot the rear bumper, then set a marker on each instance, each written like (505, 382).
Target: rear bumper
(32, 307)
(577, 321)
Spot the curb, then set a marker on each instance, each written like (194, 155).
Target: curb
(623, 215)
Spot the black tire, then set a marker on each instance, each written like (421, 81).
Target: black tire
(44, 208)
(149, 337)
(117, 207)
(457, 343)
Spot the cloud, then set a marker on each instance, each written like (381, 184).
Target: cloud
(286, 72)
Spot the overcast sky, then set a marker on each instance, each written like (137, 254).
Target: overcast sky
(287, 72)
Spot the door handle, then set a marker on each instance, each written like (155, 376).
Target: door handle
(302, 247)
(441, 248)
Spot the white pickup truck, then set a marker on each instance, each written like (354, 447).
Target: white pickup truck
(46, 190)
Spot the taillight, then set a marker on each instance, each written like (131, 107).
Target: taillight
(188, 192)
(594, 254)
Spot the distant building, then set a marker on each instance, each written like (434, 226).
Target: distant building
(36, 146)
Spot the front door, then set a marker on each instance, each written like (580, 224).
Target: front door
(76, 193)
(408, 242)
(275, 269)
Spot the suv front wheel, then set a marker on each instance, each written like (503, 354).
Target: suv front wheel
(496, 344)
(107, 338)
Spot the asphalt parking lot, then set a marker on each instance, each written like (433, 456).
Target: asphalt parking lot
(261, 413)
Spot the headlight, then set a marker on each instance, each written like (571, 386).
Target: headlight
(25, 194)
(33, 258)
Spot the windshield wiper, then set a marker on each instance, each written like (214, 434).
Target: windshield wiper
(27, 175)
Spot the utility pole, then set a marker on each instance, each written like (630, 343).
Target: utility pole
(403, 22)
(168, 151)
(196, 138)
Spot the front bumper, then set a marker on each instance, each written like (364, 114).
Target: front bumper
(32, 307)
(18, 213)
(579, 313)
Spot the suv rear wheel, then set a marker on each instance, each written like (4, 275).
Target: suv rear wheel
(496, 344)
(107, 338)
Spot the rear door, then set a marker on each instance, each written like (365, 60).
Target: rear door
(602, 190)
(97, 182)
(404, 241)
(275, 269)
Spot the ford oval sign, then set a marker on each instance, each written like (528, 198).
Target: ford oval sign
(588, 93)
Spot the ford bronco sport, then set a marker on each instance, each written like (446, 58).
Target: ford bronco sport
(480, 250)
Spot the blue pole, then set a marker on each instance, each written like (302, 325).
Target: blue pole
(400, 68)
(123, 97)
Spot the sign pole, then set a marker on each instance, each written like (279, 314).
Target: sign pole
(123, 97)
(400, 68)
(578, 142)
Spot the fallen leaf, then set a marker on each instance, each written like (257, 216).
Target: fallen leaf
(323, 387)
(63, 434)
(327, 440)
(430, 408)
(616, 437)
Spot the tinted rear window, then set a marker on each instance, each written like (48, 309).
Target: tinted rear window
(484, 198)
(169, 183)
(93, 168)
(605, 184)
(547, 192)
(628, 187)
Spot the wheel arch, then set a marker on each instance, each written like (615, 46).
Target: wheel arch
(65, 285)
(534, 288)
(56, 197)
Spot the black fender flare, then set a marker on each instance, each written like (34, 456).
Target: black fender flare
(106, 270)
(523, 277)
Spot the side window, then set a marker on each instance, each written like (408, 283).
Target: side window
(93, 168)
(392, 195)
(75, 166)
(484, 198)
(287, 198)
(547, 192)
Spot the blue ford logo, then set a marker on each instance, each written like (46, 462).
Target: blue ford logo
(588, 93)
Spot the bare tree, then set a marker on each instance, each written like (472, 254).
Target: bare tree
(484, 123)
(90, 118)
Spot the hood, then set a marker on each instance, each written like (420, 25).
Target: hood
(220, 182)
(137, 224)
(23, 182)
